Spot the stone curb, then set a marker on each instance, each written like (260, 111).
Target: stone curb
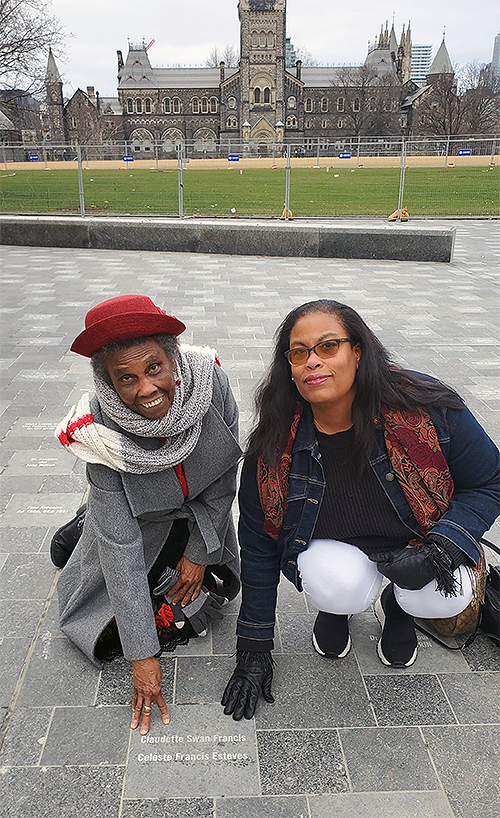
(400, 242)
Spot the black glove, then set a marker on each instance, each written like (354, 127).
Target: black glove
(253, 674)
(415, 566)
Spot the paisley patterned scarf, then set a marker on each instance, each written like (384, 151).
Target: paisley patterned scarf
(416, 458)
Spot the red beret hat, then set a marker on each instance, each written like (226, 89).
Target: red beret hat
(123, 317)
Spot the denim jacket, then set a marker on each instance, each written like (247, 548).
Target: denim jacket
(472, 458)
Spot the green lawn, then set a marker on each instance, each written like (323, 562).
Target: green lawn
(259, 192)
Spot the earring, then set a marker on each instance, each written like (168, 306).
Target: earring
(293, 379)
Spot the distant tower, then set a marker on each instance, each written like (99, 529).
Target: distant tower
(262, 64)
(290, 53)
(495, 60)
(55, 103)
(421, 56)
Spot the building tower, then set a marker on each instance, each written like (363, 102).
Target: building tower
(55, 130)
(441, 65)
(495, 63)
(421, 57)
(262, 65)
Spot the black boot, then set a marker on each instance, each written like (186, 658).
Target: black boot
(398, 645)
(330, 636)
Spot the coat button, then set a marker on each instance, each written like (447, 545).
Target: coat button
(389, 477)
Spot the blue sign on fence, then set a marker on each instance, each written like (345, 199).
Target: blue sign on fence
(34, 157)
(128, 158)
(345, 155)
(464, 152)
(233, 157)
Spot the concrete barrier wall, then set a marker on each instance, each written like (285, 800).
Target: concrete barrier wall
(398, 241)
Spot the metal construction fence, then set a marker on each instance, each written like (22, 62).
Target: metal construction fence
(357, 176)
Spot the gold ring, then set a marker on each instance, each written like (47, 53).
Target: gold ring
(146, 709)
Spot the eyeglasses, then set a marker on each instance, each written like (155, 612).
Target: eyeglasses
(324, 349)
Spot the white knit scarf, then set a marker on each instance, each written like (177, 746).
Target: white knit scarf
(179, 429)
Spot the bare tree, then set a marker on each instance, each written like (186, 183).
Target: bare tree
(480, 98)
(27, 30)
(228, 54)
(368, 100)
(440, 110)
(305, 56)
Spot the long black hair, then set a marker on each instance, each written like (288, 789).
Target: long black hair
(379, 382)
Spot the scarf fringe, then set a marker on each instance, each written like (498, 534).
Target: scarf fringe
(442, 563)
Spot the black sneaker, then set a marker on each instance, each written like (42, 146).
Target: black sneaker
(398, 645)
(331, 636)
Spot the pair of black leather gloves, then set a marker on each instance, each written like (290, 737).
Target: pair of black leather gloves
(415, 566)
(410, 568)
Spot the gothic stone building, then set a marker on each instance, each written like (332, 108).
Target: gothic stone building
(263, 101)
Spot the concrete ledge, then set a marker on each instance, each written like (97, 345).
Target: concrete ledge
(364, 240)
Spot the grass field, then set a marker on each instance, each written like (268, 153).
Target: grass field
(472, 191)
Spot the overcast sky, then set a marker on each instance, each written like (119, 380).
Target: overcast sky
(185, 31)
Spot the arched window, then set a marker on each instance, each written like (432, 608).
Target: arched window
(204, 105)
(147, 105)
(340, 124)
(130, 106)
(356, 104)
(270, 39)
(308, 123)
(231, 102)
(309, 105)
(213, 105)
(292, 102)
(232, 122)
(167, 105)
(176, 105)
(73, 121)
(373, 104)
(256, 95)
(340, 104)
(267, 95)
(324, 104)
(324, 123)
(138, 106)
(262, 39)
(195, 105)
(291, 122)
(255, 39)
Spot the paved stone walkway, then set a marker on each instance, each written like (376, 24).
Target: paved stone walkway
(351, 739)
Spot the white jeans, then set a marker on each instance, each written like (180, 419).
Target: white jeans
(338, 578)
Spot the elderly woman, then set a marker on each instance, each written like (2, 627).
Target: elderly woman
(356, 470)
(160, 441)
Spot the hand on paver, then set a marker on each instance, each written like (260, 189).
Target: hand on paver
(253, 674)
(147, 689)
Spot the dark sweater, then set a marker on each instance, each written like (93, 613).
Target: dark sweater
(355, 508)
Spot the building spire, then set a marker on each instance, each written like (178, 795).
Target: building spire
(441, 63)
(52, 74)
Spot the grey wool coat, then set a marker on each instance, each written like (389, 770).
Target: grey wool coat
(128, 519)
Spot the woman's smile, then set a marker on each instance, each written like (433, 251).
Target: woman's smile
(143, 377)
(317, 380)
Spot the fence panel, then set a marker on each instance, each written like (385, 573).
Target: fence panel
(451, 177)
(356, 176)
